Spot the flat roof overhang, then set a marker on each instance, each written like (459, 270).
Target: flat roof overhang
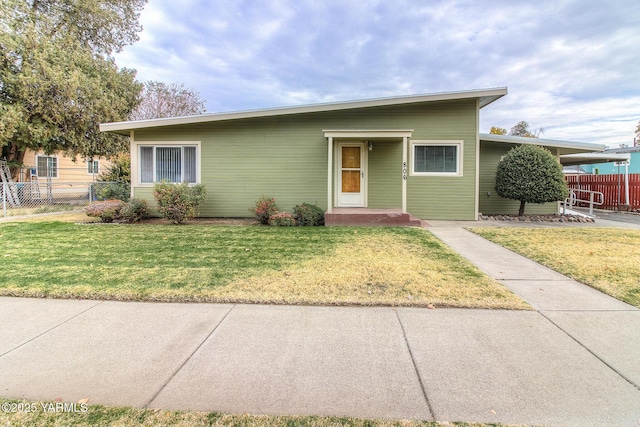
(592, 158)
(562, 147)
(484, 97)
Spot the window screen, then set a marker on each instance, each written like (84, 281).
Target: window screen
(436, 158)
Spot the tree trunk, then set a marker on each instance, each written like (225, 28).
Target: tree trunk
(15, 155)
(521, 211)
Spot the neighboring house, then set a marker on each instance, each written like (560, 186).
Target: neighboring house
(61, 168)
(617, 167)
(418, 154)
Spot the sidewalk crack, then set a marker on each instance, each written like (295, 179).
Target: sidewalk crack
(590, 351)
(187, 359)
(415, 367)
(51, 329)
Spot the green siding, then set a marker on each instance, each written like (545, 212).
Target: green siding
(385, 175)
(490, 202)
(286, 157)
(447, 198)
(242, 161)
(146, 194)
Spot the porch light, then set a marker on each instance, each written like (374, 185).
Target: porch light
(370, 146)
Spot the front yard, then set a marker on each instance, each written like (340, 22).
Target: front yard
(250, 264)
(606, 259)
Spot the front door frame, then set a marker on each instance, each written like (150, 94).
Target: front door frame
(352, 201)
(364, 135)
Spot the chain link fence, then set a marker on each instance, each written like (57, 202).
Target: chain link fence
(26, 198)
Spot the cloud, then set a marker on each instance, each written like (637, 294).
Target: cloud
(571, 66)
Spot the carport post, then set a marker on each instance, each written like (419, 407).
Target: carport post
(626, 183)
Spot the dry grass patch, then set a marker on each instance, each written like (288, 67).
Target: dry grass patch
(70, 217)
(379, 269)
(96, 415)
(606, 259)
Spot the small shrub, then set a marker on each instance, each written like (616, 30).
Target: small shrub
(114, 190)
(282, 219)
(134, 211)
(308, 215)
(265, 208)
(178, 202)
(107, 211)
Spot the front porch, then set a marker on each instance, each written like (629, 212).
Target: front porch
(371, 217)
(367, 170)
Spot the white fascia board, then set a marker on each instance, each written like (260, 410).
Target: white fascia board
(554, 143)
(486, 96)
(592, 158)
(369, 133)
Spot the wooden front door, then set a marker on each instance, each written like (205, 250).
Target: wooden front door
(351, 175)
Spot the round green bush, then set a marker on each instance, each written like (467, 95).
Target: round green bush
(308, 215)
(530, 174)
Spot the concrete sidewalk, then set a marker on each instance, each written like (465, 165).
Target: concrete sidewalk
(573, 361)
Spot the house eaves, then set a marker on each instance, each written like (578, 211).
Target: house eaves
(566, 147)
(593, 158)
(484, 97)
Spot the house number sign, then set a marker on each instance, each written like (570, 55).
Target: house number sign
(404, 171)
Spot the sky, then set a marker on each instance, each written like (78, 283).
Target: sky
(572, 67)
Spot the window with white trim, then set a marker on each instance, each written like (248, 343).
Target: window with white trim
(93, 167)
(47, 166)
(174, 163)
(436, 158)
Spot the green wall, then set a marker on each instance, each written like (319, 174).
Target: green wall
(286, 157)
(490, 202)
(431, 197)
(385, 175)
(243, 160)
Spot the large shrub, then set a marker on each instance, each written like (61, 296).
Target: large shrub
(530, 174)
(119, 170)
(116, 179)
(308, 215)
(264, 209)
(178, 202)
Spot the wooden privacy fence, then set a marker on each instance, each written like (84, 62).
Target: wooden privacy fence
(612, 186)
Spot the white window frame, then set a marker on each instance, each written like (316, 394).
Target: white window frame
(459, 156)
(171, 144)
(95, 167)
(57, 169)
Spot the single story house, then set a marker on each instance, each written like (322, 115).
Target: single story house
(421, 155)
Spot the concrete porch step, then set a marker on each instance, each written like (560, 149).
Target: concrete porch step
(371, 217)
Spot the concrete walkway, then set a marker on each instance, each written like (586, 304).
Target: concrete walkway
(573, 361)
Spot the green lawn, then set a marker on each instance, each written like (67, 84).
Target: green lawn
(96, 415)
(301, 265)
(607, 259)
